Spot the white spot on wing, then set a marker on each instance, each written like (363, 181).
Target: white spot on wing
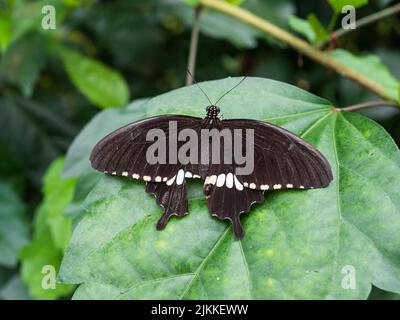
(289, 186)
(125, 174)
(264, 187)
(146, 178)
(180, 177)
(277, 186)
(252, 186)
(171, 181)
(229, 180)
(188, 174)
(221, 180)
(196, 176)
(238, 185)
(135, 176)
(158, 179)
(114, 173)
(165, 179)
(213, 179)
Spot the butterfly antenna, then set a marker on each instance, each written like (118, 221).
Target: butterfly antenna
(195, 82)
(234, 87)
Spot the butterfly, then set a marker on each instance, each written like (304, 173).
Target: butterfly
(279, 160)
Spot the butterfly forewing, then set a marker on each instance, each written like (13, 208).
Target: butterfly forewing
(281, 159)
(124, 151)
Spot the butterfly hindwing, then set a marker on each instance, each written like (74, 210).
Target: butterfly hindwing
(227, 198)
(173, 199)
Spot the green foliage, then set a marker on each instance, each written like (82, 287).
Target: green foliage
(43, 133)
(220, 26)
(22, 63)
(101, 85)
(14, 228)
(319, 31)
(5, 30)
(372, 67)
(296, 242)
(194, 3)
(51, 234)
(337, 5)
(303, 27)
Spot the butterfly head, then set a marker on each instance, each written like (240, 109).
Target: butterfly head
(212, 112)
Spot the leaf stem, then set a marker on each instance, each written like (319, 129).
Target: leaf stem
(333, 21)
(362, 22)
(296, 43)
(369, 104)
(194, 40)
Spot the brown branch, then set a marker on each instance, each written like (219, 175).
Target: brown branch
(296, 43)
(194, 40)
(369, 104)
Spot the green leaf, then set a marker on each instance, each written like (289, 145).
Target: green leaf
(371, 67)
(5, 30)
(57, 195)
(102, 85)
(51, 234)
(320, 33)
(297, 243)
(337, 5)
(23, 62)
(303, 27)
(14, 230)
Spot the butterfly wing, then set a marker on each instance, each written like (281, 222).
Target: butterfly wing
(227, 198)
(281, 159)
(124, 153)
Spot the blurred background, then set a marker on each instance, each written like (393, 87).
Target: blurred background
(104, 54)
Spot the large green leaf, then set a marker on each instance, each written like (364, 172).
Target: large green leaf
(14, 231)
(51, 234)
(371, 67)
(102, 85)
(297, 243)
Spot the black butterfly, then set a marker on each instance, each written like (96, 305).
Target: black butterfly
(282, 160)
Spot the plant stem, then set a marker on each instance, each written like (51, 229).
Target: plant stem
(333, 21)
(295, 42)
(194, 40)
(369, 104)
(363, 22)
